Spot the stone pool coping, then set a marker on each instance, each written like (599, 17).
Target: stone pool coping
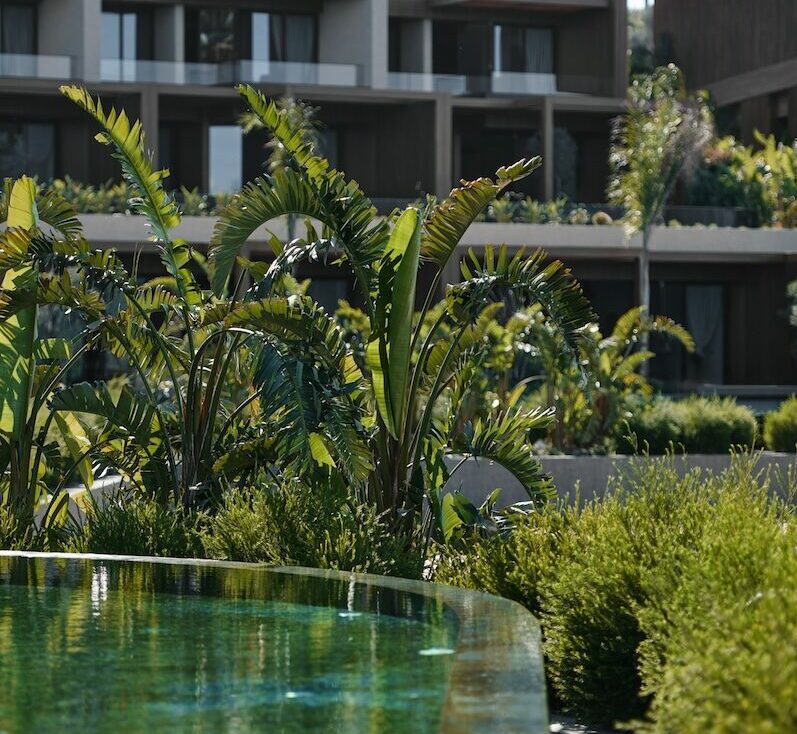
(497, 684)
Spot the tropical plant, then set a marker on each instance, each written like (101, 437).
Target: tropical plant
(32, 368)
(591, 393)
(226, 387)
(655, 143)
(406, 368)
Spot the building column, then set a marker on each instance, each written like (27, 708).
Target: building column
(548, 133)
(150, 120)
(620, 37)
(170, 33)
(72, 28)
(355, 32)
(443, 145)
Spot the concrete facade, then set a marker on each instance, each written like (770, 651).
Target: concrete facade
(393, 119)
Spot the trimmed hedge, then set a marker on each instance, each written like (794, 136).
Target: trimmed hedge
(780, 427)
(697, 425)
(649, 599)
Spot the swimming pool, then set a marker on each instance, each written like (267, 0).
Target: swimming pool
(135, 646)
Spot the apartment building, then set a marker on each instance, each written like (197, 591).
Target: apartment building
(743, 51)
(413, 94)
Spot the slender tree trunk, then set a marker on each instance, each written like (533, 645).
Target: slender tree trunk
(644, 290)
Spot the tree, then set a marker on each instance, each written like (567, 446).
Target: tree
(655, 143)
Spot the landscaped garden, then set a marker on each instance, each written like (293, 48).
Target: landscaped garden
(247, 424)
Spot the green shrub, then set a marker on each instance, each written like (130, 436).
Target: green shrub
(713, 426)
(621, 587)
(138, 527)
(780, 427)
(697, 425)
(298, 526)
(516, 565)
(720, 652)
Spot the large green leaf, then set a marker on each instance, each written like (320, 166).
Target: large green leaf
(348, 213)
(128, 415)
(18, 333)
(449, 220)
(78, 445)
(530, 279)
(152, 201)
(405, 244)
(264, 199)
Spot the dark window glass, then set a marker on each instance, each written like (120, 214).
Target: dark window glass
(27, 148)
(17, 29)
(216, 35)
(395, 29)
(127, 35)
(461, 48)
(521, 49)
(293, 38)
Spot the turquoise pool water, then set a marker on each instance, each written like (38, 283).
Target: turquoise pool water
(128, 648)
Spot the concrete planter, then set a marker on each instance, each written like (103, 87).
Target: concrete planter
(587, 477)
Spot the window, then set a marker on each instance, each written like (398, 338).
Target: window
(225, 158)
(293, 38)
(218, 35)
(17, 29)
(27, 148)
(521, 49)
(127, 35)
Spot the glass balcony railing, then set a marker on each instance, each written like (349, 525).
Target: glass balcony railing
(293, 72)
(419, 82)
(256, 72)
(37, 66)
(510, 82)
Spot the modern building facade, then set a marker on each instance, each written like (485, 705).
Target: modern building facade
(413, 94)
(743, 52)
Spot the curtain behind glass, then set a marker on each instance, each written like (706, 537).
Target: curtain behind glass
(539, 50)
(300, 41)
(111, 36)
(27, 148)
(18, 25)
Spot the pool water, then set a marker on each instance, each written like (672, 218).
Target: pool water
(120, 647)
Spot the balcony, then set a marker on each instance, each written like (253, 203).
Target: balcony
(35, 66)
(255, 72)
(520, 83)
(418, 82)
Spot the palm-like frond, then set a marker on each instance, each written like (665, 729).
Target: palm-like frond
(530, 280)
(262, 200)
(129, 415)
(348, 213)
(505, 440)
(449, 221)
(152, 201)
(59, 214)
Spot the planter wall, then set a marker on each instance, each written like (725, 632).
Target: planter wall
(582, 478)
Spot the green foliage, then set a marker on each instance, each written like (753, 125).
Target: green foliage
(697, 425)
(673, 589)
(593, 390)
(125, 525)
(719, 627)
(654, 143)
(780, 427)
(297, 525)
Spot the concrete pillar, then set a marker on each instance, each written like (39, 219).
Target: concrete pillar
(150, 119)
(443, 145)
(548, 162)
(416, 45)
(170, 33)
(72, 28)
(355, 32)
(620, 37)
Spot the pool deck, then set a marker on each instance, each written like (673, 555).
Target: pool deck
(496, 685)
